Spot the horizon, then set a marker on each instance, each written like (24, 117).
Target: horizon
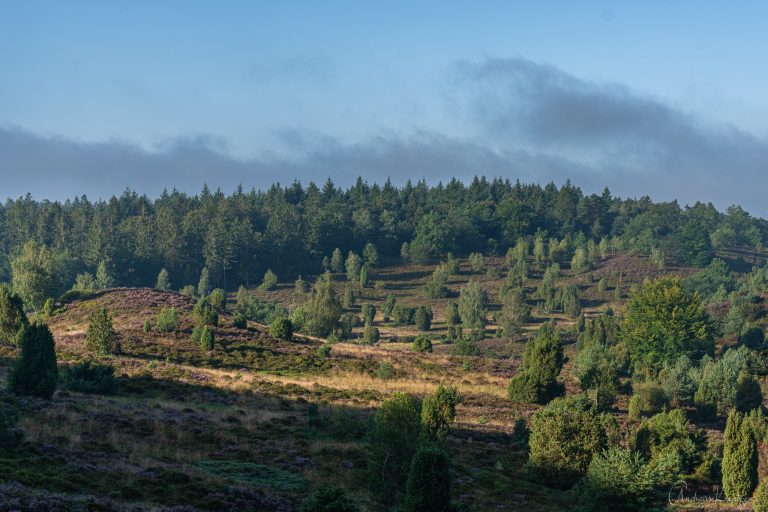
(99, 98)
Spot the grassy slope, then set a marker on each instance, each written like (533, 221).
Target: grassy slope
(258, 423)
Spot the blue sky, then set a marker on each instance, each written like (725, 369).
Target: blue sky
(659, 98)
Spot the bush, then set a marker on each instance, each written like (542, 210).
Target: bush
(422, 343)
(438, 412)
(679, 380)
(329, 499)
(167, 320)
(740, 456)
(163, 281)
(617, 478)
(748, 393)
(12, 317)
(10, 435)
(218, 301)
(35, 372)
(423, 318)
(147, 326)
(101, 338)
(536, 380)
(364, 276)
(204, 313)
(753, 338)
(204, 284)
(477, 262)
(300, 286)
(269, 282)
(648, 399)
(465, 348)
(388, 306)
(369, 313)
(324, 351)
(760, 498)
(564, 436)
(393, 442)
(239, 320)
(281, 329)
(188, 291)
(86, 377)
(716, 393)
(206, 338)
(385, 370)
(402, 315)
(428, 488)
(371, 335)
(436, 286)
(668, 435)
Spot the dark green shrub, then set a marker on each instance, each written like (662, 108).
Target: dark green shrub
(536, 380)
(368, 311)
(753, 339)
(669, 435)
(438, 412)
(10, 435)
(423, 318)
(388, 306)
(218, 301)
(617, 479)
(647, 399)
(197, 331)
(269, 282)
(147, 326)
(364, 276)
(281, 329)
(760, 498)
(101, 338)
(35, 372)
(239, 320)
(371, 335)
(12, 317)
(465, 347)
(740, 455)
(393, 442)
(86, 377)
(324, 351)
(167, 320)
(748, 393)
(206, 338)
(385, 370)
(402, 315)
(428, 488)
(422, 343)
(330, 499)
(436, 286)
(204, 313)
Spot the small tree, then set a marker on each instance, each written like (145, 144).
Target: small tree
(473, 303)
(739, 464)
(163, 281)
(204, 284)
(515, 311)
(337, 261)
(369, 313)
(438, 412)
(477, 262)
(300, 285)
(269, 282)
(428, 488)
(204, 313)
(423, 318)
(104, 279)
(422, 343)
(323, 309)
(281, 328)
(748, 393)
(218, 301)
(364, 276)
(388, 306)
(393, 441)
(371, 255)
(34, 271)
(206, 338)
(167, 320)
(35, 372)
(647, 399)
(371, 335)
(101, 338)
(12, 317)
(536, 381)
(436, 287)
(405, 252)
(353, 265)
(760, 498)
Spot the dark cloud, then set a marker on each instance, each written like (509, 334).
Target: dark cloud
(639, 144)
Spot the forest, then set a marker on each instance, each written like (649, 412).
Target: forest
(457, 347)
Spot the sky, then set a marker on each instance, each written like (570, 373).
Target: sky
(665, 99)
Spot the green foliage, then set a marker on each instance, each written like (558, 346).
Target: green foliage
(300, 286)
(668, 436)
(329, 499)
(536, 380)
(423, 318)
(204, 314)
(206, 338)
(371, 335)
(12, 317)
(428, 488)
(579, 262)
(87, 377)
(618, 479)
(163, 281)
(364, 276)
(663, 320)
(252, 309)
(760, 498)
(597, 368)
(188, 291)
(147, 326)
(101, 338)
(473, 302)
(35, 274)
(648, 398)
(281, 329)
(716, 393)
(405, 252)
(84, 282)
(477, 262)
(679, 380)
(167, 320)
(257, 475)
(269, 281)
(218, 301)
(368, 311)
(393, 441)
(385, 370)
(748, 393)
(464, 347)
(323, 309)
(564, 436)
(337, 261)
(422, 343)
(436, 287)
(388, 306)
(753, 338)
(104, 278)
(438, 412)
(740, 458)
(402, 314)
(204, 284)
(324, 351)
(35, 372)
(371, 255)
(515, 311)
(707, 282)
(348, 299)
(353, 265)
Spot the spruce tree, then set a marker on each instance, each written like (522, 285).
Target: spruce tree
(35, 372)
(12, 317)
(101, 338)
(163, 282)
(104, 279)
(204, 284)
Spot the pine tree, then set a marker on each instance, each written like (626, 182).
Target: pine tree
(35, 372)
(204, 285)
(163, 282)
(104, 279)
(206, 338)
